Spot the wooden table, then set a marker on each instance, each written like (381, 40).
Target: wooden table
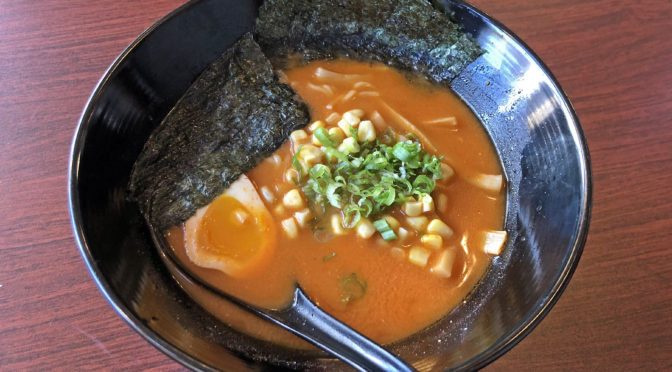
(613, 58)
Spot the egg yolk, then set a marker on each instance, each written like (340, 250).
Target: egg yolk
(231, 230)
(234, 234)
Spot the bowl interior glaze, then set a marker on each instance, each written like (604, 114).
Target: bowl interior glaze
(525, 112)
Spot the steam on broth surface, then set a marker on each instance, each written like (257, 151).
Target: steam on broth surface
(389, 273)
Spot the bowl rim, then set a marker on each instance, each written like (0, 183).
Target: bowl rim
(480, 360)
(76, 148)
(544, 305)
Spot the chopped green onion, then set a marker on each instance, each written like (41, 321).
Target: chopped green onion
(296, 164)
(333, 195)
(323, 136)
(320, 177)
(353, 288)
(423, 185)
(349, 146)
(351, 216)
(401, 152)
(389, 235)
(384, 229)
(336, 154)
(365, 180)
(329, 257)
(365, 206)
(384, 194)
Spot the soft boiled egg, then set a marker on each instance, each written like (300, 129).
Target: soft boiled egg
(234, 234)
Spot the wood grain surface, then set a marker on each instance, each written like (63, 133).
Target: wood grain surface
(613, 58)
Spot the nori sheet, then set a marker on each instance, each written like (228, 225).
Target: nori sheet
(232, 117)
(410, 35)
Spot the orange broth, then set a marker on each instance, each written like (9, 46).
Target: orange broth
(400, 298)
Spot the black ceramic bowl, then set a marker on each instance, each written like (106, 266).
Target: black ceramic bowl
(529, 119)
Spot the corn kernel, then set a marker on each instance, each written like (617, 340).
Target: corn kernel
(427, 203)
(310, 155)
(289, 226)
(291, 175)
(418, 223)
(337, 224)
(419, 256)
(432, 241)
(348, 146)
(403, 234)
(359, 113)
(267, 194)
(394, 224)
(351, 118)
(298, 135)
(293, 199)
(315, 140)
(494, 242)
(316, 124)
(412, 208)
(345, 127)
(366, 132)
(439, 227)
(337, 133)
(365, 228)
(444, 264)
(302, 217)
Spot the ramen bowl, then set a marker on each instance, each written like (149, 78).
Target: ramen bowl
(523, 109)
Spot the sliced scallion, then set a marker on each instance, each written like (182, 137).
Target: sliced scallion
(323, 136)
(296, 164)
(367, 179)
(384, 229)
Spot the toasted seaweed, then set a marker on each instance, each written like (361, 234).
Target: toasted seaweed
(410, 35)
(238, 112)
(232, 117)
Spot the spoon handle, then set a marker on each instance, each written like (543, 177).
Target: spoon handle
(308, 321)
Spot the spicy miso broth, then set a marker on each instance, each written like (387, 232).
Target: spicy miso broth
(388, 266)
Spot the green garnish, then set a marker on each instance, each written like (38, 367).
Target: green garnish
(349, 146)
(366, 179)
(335, 154)
(296, 164)
(353, 288)
(384, 229)
(323, 136)
(329, 257)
